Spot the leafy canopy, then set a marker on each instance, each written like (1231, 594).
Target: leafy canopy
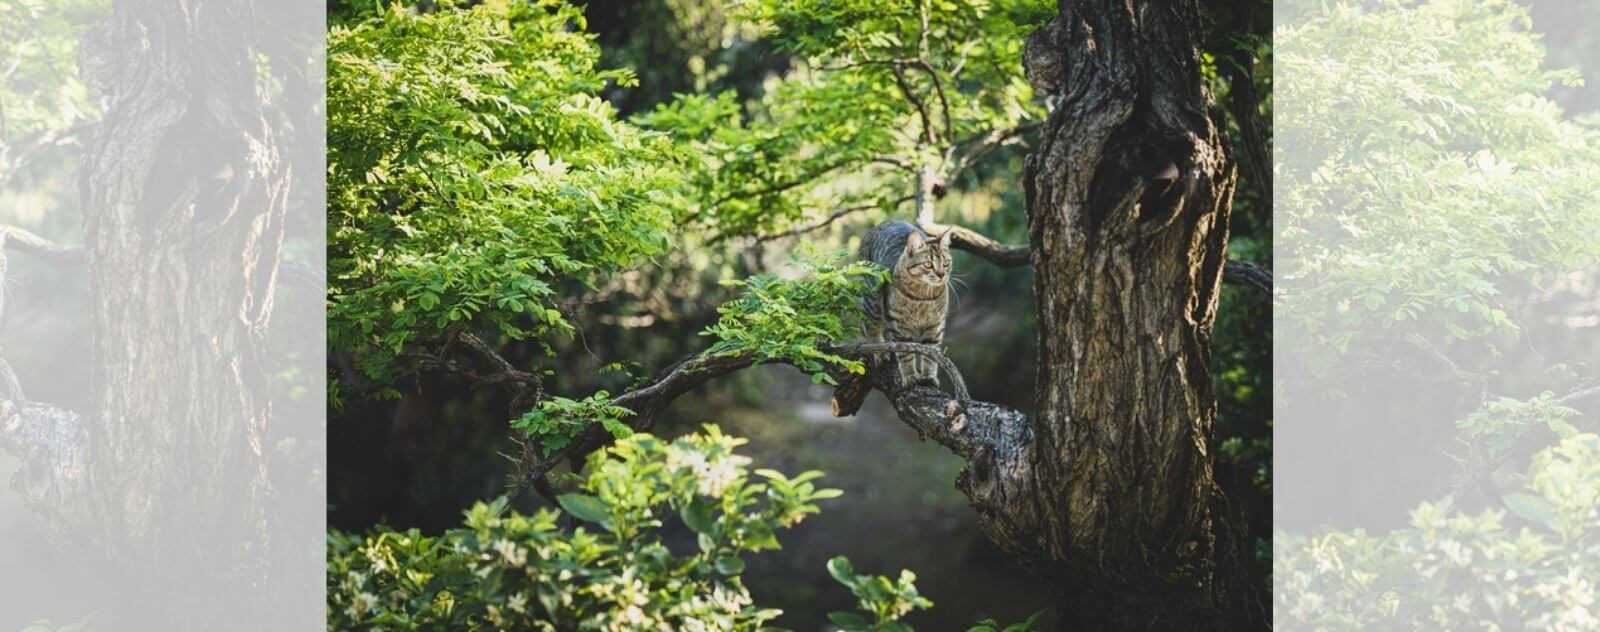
(472, 170)
(879, 90)
(1465, 178)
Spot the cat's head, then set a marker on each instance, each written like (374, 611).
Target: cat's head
(925, 262)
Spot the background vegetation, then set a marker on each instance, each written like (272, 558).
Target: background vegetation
(1439, 235)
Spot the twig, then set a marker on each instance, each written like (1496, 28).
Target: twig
(825, 222)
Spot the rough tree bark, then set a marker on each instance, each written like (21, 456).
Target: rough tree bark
(1127, 196)
(183, 202)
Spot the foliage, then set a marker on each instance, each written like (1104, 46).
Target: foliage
(1434, 185)
(879, 91)
(1451, 570)
(555, 422)
(44, 625)
(886, 601)
(1482, 180)
(613, 572)
(40, 89)
(1026, 625)
(792, 320)
(1499, 423)
(472, 169)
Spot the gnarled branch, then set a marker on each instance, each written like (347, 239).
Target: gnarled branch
(994, 439)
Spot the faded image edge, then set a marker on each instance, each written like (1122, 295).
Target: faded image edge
(164, 404)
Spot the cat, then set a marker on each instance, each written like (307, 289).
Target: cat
(912, 306)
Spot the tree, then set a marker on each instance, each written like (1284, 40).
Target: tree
(1128, 204)
(1108, 493)
(184, 193)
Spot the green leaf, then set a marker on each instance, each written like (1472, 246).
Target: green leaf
(1532, 507)
(839, 568)
(697, 515)
(730, 565)
(584, 507)
(849, 621)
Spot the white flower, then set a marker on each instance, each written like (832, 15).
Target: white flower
(716, 478)
(631, 618)
(513, 554)
(517, 603)
(362, 604)
(680, 459)
(729, 601)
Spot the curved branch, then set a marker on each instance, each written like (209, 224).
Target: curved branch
(982, 246)
(1248, 274)
(827, 221)
(971, 429)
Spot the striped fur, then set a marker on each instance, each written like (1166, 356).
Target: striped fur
(913, 305)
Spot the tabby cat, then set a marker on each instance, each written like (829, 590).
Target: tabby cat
(912, 306)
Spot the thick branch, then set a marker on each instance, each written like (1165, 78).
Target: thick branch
(980, 245)
(41, 248)
(994, 434)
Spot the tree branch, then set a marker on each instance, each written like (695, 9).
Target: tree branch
(957, 422)
(40, 248)
(825, 222)
(1248, 274)
(980, 245)
(1526, 445)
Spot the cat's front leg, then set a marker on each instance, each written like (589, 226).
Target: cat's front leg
(930, 368)
(910, 364)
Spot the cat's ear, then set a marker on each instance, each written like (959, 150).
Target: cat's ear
(944, 240)
(915, 242)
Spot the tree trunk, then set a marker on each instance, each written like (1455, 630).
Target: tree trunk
(183, 208)
(1128, 195)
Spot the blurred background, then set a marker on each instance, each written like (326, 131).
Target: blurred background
(47, 119)
(1371, 429)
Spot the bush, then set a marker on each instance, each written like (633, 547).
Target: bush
(1457, 571)
(613, 572)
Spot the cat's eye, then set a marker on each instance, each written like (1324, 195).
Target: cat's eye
(928, 265)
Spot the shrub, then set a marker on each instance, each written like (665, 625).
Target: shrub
(613, 571)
